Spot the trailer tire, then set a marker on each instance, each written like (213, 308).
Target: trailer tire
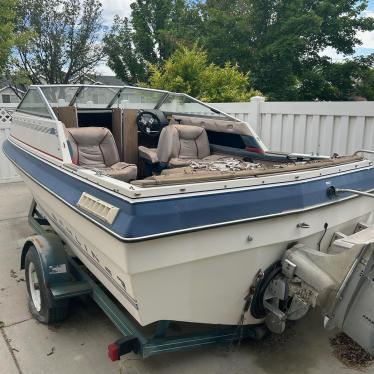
(40, 301)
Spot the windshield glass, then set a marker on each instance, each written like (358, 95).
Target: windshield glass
(106, 97)
(134, 98)
(33, 103)
(59, 95)
(182, 104)
(96, 97)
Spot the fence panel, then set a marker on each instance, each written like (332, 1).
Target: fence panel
(7, 171)
(322, 128)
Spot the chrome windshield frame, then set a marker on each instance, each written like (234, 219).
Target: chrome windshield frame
(50, 109)
(44, 100)
(118, 91)
(193, 99)
(118, 94)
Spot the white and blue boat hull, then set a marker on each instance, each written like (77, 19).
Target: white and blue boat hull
(163, 258)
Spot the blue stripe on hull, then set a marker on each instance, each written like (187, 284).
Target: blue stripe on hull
(157, 218)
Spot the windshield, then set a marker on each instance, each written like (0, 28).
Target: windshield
(59, 95)
(33, 103)
(95, 97)
(135, 98)
(182, 104)
(102, 97)
(126, 97)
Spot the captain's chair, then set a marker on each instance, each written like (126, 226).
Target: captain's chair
(178, 146)
(95, 148)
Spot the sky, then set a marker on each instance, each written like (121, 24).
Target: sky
(122, 8)
(119, 7)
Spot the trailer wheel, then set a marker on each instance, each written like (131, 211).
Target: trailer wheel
(40, 303)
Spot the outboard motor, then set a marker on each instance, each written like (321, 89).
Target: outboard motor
(340, 282)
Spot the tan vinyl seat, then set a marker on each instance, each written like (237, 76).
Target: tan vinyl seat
(95, 148)
(179, 145)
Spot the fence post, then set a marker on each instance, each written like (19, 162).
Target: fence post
(256, 113)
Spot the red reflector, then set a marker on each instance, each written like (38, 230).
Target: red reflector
(255, 150)
(113, 352)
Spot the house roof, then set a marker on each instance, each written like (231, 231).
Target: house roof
(4, 83)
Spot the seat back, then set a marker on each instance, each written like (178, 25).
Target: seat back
(93, 147)
(184, 142)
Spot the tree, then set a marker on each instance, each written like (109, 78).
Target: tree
(7, 40)
(338, 81)
(365, 87)
(123, 57)
(279, 41)
(187, 70)
(150, 36)
(364, 78)
(64, 43)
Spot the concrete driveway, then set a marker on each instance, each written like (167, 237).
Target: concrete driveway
(79, 344)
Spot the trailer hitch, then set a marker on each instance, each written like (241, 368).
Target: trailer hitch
(333, 192)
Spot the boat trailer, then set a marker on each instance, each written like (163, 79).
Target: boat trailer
(340, 282)
(63, 277)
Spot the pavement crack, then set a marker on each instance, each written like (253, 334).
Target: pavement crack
(12, 218)
(17, 323)
(11, 350)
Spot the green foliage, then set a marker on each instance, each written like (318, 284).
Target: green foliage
(7, 39)
(64, 39)
(365, 87)
(187, 70)
(123, 57)
(338, 81)
(226, 84)
(280, 42)
(149, 37)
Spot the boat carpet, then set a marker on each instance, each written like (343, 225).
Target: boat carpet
(188, 175)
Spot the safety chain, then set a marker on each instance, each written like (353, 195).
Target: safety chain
(247, 303)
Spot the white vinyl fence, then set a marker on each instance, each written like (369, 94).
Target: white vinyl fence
(7, 171)
(321, 128)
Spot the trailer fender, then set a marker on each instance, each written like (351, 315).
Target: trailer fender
(52, 257)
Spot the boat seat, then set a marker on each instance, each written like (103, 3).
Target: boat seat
(95, 148)
(178, 146)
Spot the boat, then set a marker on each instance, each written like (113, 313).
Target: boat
(179, 209)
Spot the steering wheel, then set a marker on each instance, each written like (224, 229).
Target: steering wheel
(151, 122)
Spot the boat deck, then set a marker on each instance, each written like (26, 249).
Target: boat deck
(199, 172)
